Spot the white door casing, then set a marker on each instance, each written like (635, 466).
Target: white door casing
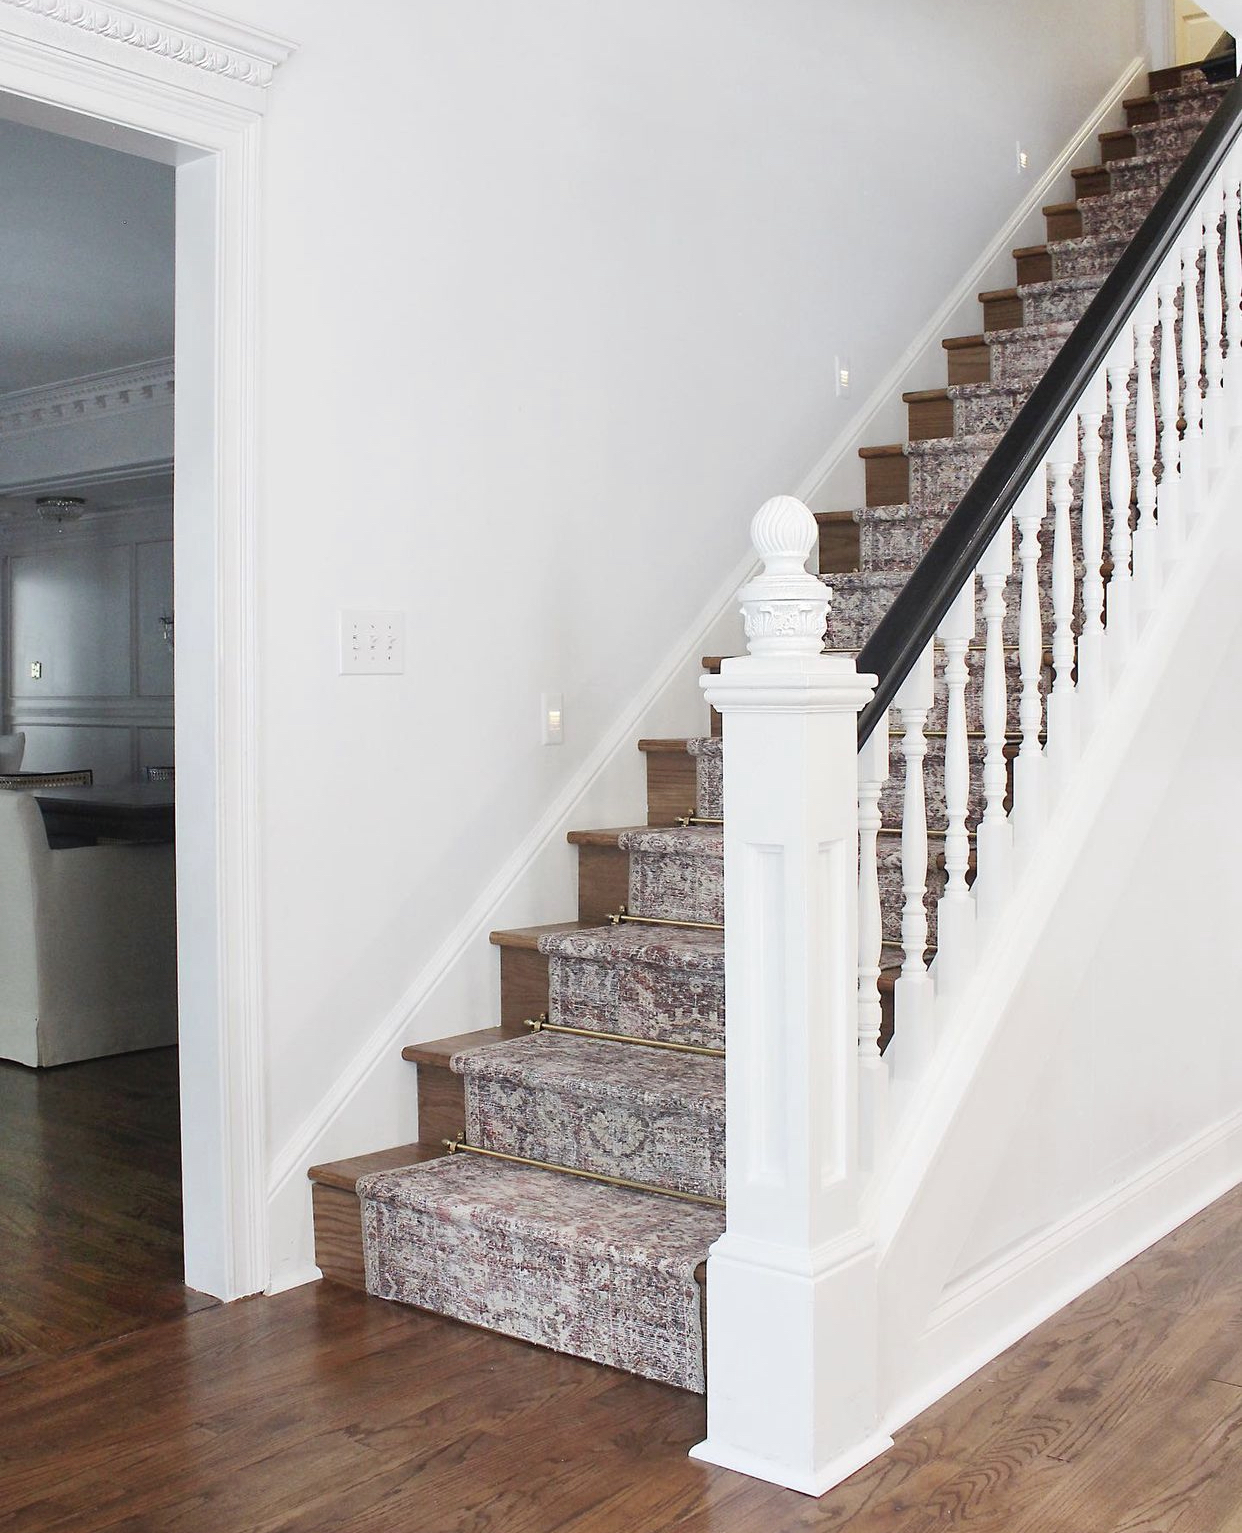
(171, 82)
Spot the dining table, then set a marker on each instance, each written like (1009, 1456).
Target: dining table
(140, 812)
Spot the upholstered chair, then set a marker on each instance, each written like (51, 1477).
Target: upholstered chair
(88, 948)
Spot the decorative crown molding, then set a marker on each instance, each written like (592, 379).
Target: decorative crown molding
(169, 29)
(89, 398)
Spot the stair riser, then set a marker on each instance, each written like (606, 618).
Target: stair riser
(1073, 258)
(615, 1312)
(710, 781)
(1169, 139)
(676, 887)
(1021, 360)
(637, 1000)
(1115, 216)
(680, 1147)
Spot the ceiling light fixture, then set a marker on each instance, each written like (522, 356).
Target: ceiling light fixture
(60, 508)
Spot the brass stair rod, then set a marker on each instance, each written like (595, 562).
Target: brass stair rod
(454, 1146)
(541, 1024)
(623, 916)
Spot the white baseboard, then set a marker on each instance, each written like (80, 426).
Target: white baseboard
(988, 1309)
(814, 1484)
(294, 1277)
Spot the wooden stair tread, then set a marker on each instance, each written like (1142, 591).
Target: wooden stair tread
(954, 342)
(830, 518)
(998, 293)
(662, 747)
(437, 1052)
(1052, 208)
(607, 837)
(528, 936)
(913, 397)
(888, 450)
(345, 1173)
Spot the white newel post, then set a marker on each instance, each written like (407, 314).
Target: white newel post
(792, 1338)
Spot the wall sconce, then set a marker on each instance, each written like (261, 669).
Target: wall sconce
(167, 624)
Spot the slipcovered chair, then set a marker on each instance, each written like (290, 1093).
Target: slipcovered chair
(88, 944)
(12, 749)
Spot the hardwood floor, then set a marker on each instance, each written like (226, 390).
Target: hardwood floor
(90, 1204)
(322, 1409)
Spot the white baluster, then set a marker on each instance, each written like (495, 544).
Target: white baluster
(873, 768)
(1062, 737)
(1028, 782)
(1168, 497)
(1091, 639)
(1214, 443)
(1192, 363)
(913, 1018)
(1146, 560)
(994, 842)
(1120, 584)
(955, 918)
(1233, 294)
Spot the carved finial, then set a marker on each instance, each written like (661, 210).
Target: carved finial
(786, 607)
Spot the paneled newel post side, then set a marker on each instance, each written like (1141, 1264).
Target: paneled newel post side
(791, 1341)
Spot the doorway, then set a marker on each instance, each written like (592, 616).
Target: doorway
(170, 96)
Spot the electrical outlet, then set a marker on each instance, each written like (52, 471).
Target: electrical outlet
(552, 728)
(372, 643)
(36, 670)
(1022, 159)
(842, 376)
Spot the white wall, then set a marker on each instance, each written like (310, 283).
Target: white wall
(85, 603)
(552, 295)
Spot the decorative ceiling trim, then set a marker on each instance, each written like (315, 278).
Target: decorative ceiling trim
(181, 33)
(89, 398)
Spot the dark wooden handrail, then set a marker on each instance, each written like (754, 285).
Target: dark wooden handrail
(910, 624)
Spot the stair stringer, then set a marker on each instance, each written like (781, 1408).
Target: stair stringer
(949, 1144)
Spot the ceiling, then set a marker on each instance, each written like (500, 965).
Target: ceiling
(86, 258)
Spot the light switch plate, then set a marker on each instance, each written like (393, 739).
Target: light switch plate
(372, 643)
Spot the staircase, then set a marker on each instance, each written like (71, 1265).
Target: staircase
(570, 1173)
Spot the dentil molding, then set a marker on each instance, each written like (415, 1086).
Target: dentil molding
(183, 34)
(121, 389)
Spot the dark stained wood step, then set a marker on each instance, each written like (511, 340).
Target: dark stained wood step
(1117, 144)
(603, 874)
(437, 1052)
(929, 413)
(1002, 309)
(1034, 264)
(969, 359)
(338, 1214)
(524, 970)
(672, 780)
(838, 542)
(1063, 220)
(887, 473)
(1092, 181)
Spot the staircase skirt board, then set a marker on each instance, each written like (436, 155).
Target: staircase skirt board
(597, 1272)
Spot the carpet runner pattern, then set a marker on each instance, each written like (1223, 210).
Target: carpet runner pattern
(613, 1273)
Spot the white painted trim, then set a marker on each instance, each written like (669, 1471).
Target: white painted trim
(208, 46)
(858, 429)
(71, 80)
(293, 1158)
(137, 387)
(1007, 1297)
(778, 1474)
(294, 1278)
